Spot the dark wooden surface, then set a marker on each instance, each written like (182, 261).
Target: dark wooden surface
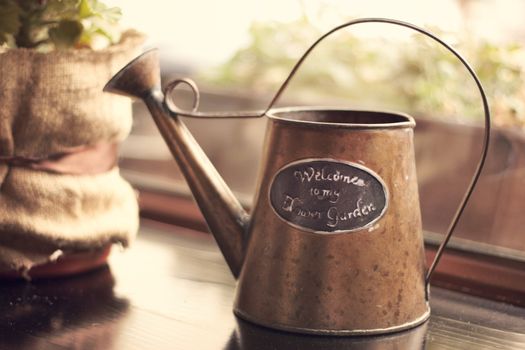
(499, 277)
(172, 290)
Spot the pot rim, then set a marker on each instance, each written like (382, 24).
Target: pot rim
(399, 120)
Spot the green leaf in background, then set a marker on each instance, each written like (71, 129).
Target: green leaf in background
(100, 23)
(9, 19)
(56, 24)
(66, 34)
(84, 9)
(108, 14)
(418, 76)
(94, 8)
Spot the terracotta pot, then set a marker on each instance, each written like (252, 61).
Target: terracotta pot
(70, 264)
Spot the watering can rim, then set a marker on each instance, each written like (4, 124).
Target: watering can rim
(403, 120)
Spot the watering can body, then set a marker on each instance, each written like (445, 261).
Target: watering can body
(333, 244)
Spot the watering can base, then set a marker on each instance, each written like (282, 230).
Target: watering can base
(336, 332)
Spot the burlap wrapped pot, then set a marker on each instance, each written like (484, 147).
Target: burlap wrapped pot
(60, 189)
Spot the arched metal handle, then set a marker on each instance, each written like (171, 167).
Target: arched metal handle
(256, 114)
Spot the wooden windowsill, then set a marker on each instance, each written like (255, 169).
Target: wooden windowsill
(491, 277)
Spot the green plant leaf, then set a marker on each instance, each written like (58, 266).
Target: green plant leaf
(99, 22)
(109, 14)
(58, 23)
(94, 8)
(84, 9)
(66, 34)
(9, 19)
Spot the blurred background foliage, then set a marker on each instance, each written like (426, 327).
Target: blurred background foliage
(414, 75)
(47, 25)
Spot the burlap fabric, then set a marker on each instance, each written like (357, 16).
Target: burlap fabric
(51, 103)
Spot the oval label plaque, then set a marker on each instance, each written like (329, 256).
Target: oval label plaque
(328, 196)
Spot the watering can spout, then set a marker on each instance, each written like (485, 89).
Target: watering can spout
(138, 78)
(226, 218)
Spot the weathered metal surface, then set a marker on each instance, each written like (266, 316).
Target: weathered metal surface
(368, 281)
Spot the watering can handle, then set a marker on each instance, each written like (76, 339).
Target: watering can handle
(255, 114)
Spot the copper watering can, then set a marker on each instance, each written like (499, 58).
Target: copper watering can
(333, 244)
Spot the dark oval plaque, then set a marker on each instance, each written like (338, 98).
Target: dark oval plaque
(327, 195)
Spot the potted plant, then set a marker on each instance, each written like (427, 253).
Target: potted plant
(62, 200)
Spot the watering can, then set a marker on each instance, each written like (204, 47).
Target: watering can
(333, 244)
